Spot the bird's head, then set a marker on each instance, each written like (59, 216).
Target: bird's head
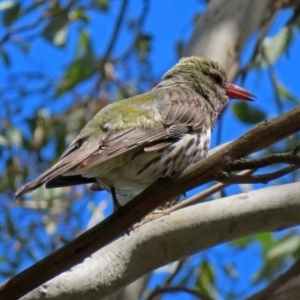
(209, 79)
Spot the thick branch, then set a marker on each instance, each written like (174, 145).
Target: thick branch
(173, 237)
(259, 137)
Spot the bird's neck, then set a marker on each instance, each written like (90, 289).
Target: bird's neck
(213, 101)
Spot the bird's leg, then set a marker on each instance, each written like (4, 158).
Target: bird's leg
(117, 206)
(116, 203)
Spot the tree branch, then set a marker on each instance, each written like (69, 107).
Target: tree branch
(259, 137)
(172, 238)
(261, 178)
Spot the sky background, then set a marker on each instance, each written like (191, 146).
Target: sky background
(168, 21)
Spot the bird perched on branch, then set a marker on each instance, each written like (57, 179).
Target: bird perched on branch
(131, 143)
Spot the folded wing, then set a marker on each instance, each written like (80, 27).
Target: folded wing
(180, 114)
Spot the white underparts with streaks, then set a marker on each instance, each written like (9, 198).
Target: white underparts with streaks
(137, 170)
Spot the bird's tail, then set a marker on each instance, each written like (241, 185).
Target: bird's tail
(62, 166)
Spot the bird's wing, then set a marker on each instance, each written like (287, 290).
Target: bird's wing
(184, 113)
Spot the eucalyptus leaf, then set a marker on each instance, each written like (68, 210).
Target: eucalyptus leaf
(274, 47)
(143, 45)
(285, 94)
(84, 45)
(102, 5)
(285, 247)
(14, 136)
(81, 69)
(11, 12)
(206, 279)
(56, 30)
(247, 114)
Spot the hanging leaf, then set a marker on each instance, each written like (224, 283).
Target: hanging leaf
(143, 45)
(248, 114)
(206, 280)
(14, 136)
(286, 247)
(84, 45)
(11, 12)
(274, 47)
(83, 67)
(79, 14)
(56, 30)
(102, 5)
(285, 94)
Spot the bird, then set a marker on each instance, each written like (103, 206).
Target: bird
(131, 143)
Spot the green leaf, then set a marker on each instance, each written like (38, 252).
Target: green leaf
(241, 242)
(143, 45)
(56, 30)
(266, 240)
(284, 93)
(206, 280)
(11, 12)
(5, 5)
(51, 226)
(275, 263)
(288, 246)
(3, 141)
(14, 136)
(79, 14)
(274, 47)
(81, 69)
(247, 113)
(102, 5)
(84, 45)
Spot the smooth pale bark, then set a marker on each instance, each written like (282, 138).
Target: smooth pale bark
(173, 237)
(223, 30)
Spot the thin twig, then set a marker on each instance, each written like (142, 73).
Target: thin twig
(116, 31)
(225, 177)
(262, 34)
(242, 164)
(138, 26)
(110, 47)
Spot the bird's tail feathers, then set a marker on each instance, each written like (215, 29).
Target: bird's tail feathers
(62, 166)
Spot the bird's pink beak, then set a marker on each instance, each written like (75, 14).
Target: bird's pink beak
(236, 92)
